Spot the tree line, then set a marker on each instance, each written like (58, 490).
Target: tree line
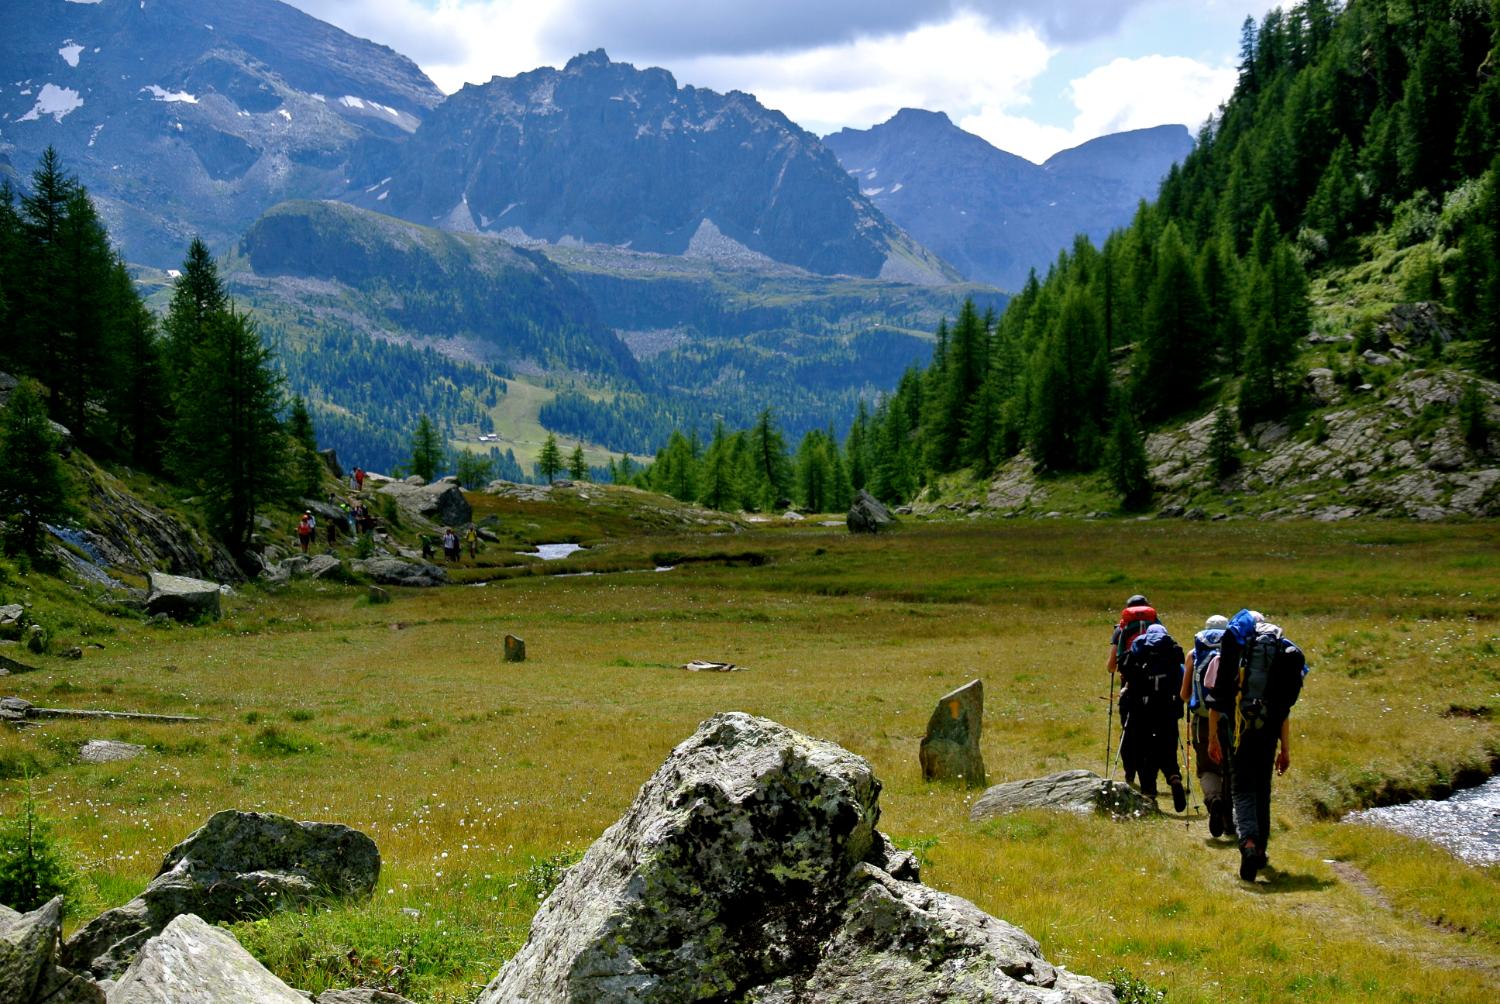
(196, 399)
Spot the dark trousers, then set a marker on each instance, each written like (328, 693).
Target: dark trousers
(1213, 778)
(1254, 758)
(1148, 744)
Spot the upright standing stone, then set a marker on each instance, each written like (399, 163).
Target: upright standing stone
(950, 750)
(515, 649)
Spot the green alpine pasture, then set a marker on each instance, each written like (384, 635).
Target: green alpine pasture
(480, 779)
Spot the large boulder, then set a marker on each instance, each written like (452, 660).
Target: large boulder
(192, 962)
(867, 514)
(441, 502)
(950, 749)
(396, 572)
(331, 461)
(359, 995)
(12, 620)
(237, 866)
(1072, 790)
(29, 970)
(182, 598)
(749, 868)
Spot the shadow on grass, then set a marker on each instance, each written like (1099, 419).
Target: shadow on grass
(1279, 881)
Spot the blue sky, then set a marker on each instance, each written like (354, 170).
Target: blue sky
(1030, 76)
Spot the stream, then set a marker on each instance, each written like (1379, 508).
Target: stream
(552, 552)
(1467, 823)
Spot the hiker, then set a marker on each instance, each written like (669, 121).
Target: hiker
(359, 479)
(1197, 683)
(348, 512)
(1137, 616)
(471, 538)
(1151, 669)
(450, 544)
(1259, 680)
(305, 531)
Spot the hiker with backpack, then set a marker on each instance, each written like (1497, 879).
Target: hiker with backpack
(305, 527)
(1150, 708)
(1260, 676)
(1137, 616)
(1196, 693)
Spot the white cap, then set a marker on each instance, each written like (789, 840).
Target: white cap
(1260, 618)
(1217, 622)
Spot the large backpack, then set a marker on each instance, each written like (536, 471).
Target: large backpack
(1270, 679)
(1133, 623)
(1205, 669)
(1152, 671)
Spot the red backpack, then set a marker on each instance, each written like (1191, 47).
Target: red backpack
(1133, 622)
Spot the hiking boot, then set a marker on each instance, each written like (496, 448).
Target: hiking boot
(1179, 794)
(1251, 860)
(1215, 820)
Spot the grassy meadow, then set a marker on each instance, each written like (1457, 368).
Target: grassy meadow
(477, 778)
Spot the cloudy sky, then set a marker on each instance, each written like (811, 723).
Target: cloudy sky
(1031, 76)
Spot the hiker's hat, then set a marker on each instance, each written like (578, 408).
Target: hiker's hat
(1217, 622)
(1136, 601)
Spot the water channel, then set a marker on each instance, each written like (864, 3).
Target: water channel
(1467, 823)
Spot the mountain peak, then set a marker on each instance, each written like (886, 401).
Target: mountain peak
(588, 60)
(919, 117)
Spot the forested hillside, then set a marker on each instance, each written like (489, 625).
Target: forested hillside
(1350, 172)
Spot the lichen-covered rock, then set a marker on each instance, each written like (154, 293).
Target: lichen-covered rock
(1071, 790)
(237, 866)
(749, 868)
(867, 514)
(29, 970)
(191, 962)
(182, 598)
(108, 751)
(950, 749)
(359, 995)
(441, 502)
(395, 572)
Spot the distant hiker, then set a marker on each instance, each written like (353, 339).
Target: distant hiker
(305, 531)
(426, 547)
(359, 479)
(348, 512)
(450, 544)
(1150, 708)
(471, 538)
(1259, 680)
(1137, 616)
(1197, 684)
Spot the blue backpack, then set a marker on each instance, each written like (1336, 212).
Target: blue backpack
(1152, 672)
(1205, 658)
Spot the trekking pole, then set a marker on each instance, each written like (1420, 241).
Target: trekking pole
(1109, 726)
(1187, 752)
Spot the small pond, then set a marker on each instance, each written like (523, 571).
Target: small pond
(552, 552)
(1467, 823)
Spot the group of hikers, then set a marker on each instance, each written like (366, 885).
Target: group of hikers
(453, 547)
(353, 515)
(1236, 687)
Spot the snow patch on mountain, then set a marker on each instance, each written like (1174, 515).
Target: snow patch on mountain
(162, 94)
(55, 101)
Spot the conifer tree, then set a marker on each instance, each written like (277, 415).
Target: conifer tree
(1172, 356)
(549, 461)
(1223, 447)
(34, 486)
(769, 463)
(578, 467)
(307, 466)
(1126, 458)
(857, 446)
(718, 488)
(1069, 391)
(198, 296)
(426, 450)
(136, 382)
(229, 443)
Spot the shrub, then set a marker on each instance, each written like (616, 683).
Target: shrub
(33, 867)
(1132, 990)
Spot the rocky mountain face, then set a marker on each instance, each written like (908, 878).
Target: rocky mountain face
(993, 215)
(603, 153)
(192, 117)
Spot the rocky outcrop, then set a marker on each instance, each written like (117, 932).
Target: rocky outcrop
(441, 502)
(29, 970)
(867, 514)
(395, 572)
(127, 533)
(359, 995)
(108, 751)
(182, 598)
(1071, 790)
(192, 962)
(331, 461)
(950, 749)
(749, 868)
(237, 866)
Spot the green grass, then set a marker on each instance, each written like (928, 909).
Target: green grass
(477, 778)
